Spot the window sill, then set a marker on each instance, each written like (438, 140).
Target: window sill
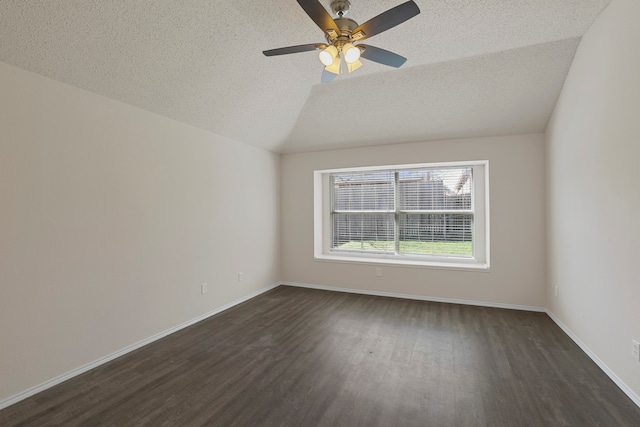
(464, 266)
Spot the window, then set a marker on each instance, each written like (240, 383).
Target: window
(424, 215)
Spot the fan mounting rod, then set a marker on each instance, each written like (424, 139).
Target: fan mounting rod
(340, 7)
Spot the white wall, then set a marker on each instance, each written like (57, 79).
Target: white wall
(593, 197)
(517, 185)
(110, 219)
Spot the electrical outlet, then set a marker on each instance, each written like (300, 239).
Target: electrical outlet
(636, 350)
(557, 290)
(240, 277)
(379, 271)
(204, 288)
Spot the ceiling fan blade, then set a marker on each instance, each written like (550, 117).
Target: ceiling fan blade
(388, 19)
(327, 76)
(382, 56)
(319, 15)
(294, 49)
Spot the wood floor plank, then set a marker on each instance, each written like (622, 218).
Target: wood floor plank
(302, 357)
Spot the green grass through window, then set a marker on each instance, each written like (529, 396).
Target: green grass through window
(464, 249)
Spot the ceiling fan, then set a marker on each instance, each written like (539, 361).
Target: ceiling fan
(344, 35)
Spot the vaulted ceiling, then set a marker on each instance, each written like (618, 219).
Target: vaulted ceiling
(475, 67)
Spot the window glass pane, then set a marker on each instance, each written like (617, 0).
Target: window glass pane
(428, 189)
(363, 191)
(419, 214)
(363, 232)
(436, 234)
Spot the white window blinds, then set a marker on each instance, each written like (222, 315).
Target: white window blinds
(421, 211)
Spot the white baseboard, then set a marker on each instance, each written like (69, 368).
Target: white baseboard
(82, 369)
(420, 297)
(625, 388)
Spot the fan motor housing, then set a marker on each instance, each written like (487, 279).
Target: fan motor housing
(346, 25)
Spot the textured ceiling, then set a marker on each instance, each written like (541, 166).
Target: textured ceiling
(476, 67)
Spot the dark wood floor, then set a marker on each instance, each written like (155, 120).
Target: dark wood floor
(301, 357)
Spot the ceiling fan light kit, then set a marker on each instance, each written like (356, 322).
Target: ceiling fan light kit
(351, 53)
(354, 66)
(343, 36)
(328, 55)
(335, 67)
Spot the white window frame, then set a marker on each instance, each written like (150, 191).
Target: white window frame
(480, 206)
